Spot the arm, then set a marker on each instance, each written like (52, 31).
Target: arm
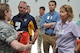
(33, 26)
(9, 36)
(35, 36)
(49, 25)
(20, 47)
(75, 29)
(77, 48)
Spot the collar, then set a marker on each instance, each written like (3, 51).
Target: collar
(40, 16)
(67, 22)
(52, 13)
(22, 16)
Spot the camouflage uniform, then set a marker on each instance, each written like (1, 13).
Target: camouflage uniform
(7, 34)
(41, 32)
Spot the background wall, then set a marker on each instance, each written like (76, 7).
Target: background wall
(35, 6)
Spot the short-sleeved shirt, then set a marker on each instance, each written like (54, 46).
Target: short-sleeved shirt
(7, 35)
(25, 23)
(48, 18)
(66, 36)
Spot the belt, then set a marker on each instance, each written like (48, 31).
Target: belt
(49, 34)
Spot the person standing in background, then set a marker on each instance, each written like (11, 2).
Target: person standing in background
(8, 34)
(28, 9)
(48, 23)
(41, 31)
(79, 20)
(24, 22)
(66, 31)
(77, 49)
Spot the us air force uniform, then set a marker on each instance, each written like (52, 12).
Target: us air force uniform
(7, 35)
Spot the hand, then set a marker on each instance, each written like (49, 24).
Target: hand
(29, 46)
(76, 49)
(20, 31)
(52, 27)
(31, 42)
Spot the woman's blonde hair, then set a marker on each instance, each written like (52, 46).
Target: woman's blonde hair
(69, 10)
(3, 7)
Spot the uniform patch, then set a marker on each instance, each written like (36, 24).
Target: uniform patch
(25, 20)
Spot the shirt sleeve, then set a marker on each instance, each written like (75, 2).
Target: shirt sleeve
(34, 22)
(57, 18)
(42, 21)
(76, 30)
(8, 35)
(55, 28)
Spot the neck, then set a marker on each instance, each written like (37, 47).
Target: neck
(6, 19)
(41, 14)
(51, 11)
(21, 15)
(63, 22)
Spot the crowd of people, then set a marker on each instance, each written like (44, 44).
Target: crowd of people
(52, 28)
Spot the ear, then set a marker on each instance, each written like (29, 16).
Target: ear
(18, 7)
(55, 6)
(5, 12)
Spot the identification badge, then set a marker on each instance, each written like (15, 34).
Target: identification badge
(61, 31)
(48, 17)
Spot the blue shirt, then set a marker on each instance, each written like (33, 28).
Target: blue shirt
(55, 17)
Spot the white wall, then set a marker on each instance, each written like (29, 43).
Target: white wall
(35, 6)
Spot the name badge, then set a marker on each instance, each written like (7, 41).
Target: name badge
(61, 31)
(48, 17)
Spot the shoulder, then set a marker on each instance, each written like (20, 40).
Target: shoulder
(14, 17)
(46, 14)
(59, 22)
(5, 28)
(2, 23)
(56, 13)
(30, 16)
(37, 17)
(73, 22)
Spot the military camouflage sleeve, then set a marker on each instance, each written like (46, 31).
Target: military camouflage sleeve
(8, 35)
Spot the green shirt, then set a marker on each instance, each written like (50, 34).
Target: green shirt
(78, 22)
